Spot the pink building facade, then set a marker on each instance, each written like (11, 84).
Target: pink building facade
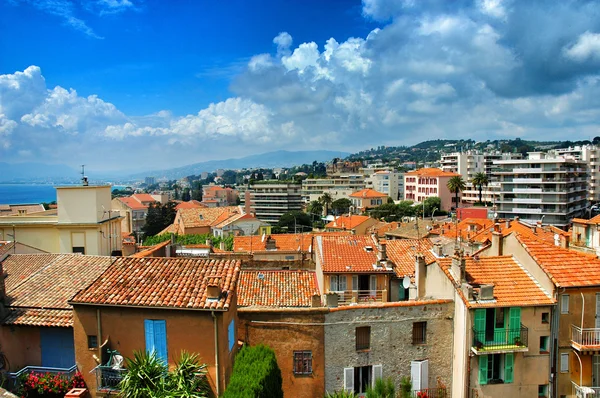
(428, 182)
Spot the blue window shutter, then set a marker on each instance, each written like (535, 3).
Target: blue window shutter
(231, 334)
(483, 369)
(149, 331)
(160, 340)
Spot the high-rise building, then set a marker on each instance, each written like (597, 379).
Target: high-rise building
(269, 200)
(342, 185)
(590, 154)
(150, 180)
(544, 187)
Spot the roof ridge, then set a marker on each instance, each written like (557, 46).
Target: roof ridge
(535, 281)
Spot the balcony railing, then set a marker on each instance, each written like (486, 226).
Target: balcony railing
(13, 378)
(440, 392)
(585, 339)
(585, 391)
(500, 340)
(108, 379)
(349, 297)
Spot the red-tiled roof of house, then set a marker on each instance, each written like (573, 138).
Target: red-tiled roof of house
(408, 230)
(171, 229)
(513, 285)
(205, 216)
(151, 251)
(431, 172)
(283, 242)
(368, 193)
(566, 268)
(347, 222)
(402, 253)
(352, 254)
(192, 204)
(8, 210)
(40, 292)
(277, 288)
(17, 248)
(163, 283)
(380, 228)
(592, 221)
(143, 197)
(132, 203)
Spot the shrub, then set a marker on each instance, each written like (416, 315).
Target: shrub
(49, 385)
(405, 387)
(383, 388)
(341, 394)
(255, 374)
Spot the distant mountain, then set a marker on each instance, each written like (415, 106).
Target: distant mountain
(264, 160)
(36, 172)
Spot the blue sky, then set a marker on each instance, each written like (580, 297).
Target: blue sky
(150, 84)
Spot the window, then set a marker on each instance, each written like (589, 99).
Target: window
(302, 362)
(496, 368)
(92, 341)
(363, 338)
(564, 362)
(544, 344)
(499, 317)
(342, 283)
(333, 283)
(360, 378)
(545, 317)
(564, 304)
(543, 390)
(79, 249)
(419, 332)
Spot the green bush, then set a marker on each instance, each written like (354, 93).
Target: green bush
(255, 374)
(341, 394)
(192, 239)
(383, 388)
(405, 387)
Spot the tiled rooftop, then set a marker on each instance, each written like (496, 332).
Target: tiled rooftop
(513, 285)
(402, 253)
(347, 222)
(566, 268)
(192, 204)
(8, 210)
(277, 288)
(132, 203)
(17, 268)
(368, 193)
(592, 221)
(205, 216)
(143, 197)
(348, 253)
(283, 242)
(407, 230)
(163, 283)
(431, 172)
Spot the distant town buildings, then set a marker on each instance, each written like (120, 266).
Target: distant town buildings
(150, 180)
(429, 182)
(269, 200)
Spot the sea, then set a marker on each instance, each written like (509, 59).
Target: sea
(11, 194)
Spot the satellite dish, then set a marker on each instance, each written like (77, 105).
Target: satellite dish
(406, 282)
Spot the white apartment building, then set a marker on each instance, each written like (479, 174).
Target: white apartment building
(386, 181)
(340, 186)
(542, 186)
(590, 154)
(269, 200)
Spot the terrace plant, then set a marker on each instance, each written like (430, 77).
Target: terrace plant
(48, 385)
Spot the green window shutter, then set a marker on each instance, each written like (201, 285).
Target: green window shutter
(480, 320)
(483, 369)
(509, 363)
(514, 324)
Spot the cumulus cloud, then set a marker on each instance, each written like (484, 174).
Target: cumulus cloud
(587, 46)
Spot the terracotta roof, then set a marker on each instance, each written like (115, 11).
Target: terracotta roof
(431, 172)
(40, 295)
(566, 268)
(410, 303)
(277, 288)
(163, 283)
(9, 210)
(380, 228)
(513, 285)
(351, 254)
(127, 238)
(151, 251)
(347, 222)
(402, 253)
(17, 248)
(171, 229)
(132, 203)
(205, 216)
(592, 221)
(192, 204)
(283, 242)
(143, 197)
(368, 193)
(408, 231)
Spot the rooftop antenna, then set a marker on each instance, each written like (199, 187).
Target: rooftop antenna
(84, 180)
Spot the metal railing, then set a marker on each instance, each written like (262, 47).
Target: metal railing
(348, 297)
(13, 378)
(587, 337)
(585, 391)
(108, 379)
(500, 339)
(430, 393)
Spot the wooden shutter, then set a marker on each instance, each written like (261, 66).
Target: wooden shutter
(354, 282)
(160, 339)
(231, 334)
(415, 375)
(377, 373)
(483, 368)
(349, 379)
(333, 283)
(480, 320)
(509, 363)
(373, 282)
(514, 325)
(149, 331)
(342, 282)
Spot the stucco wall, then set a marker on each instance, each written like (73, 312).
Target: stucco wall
(21, 345)
(284, 339)
(391, 341)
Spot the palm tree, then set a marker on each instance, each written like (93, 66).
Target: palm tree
(315, 207)
(326, 200)
(455, 185)
(479, 180)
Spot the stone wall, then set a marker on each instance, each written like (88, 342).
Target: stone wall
(391, 341)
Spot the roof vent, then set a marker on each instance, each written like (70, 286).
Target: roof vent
(368, 248)
(486, 292)
(213, 292)
(261, 276)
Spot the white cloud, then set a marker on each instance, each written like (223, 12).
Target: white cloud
(493, 8)
(587, 46)
(306, 55)
(283, 41)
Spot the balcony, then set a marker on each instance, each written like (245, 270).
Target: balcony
(500, 340)
(14, 379)
(526, 210)
(108, 379)
(355, 297)
(585, 339)
(585, 391)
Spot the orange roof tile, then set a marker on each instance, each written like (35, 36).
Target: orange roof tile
(39, 317)
(132, 203)
(513, 285)
(402, 253)
(143, 197)
(205, 216)
(347, 222)
(17, 268)
(566, 268)
(151, 251)
(431, 172)
(277, 288)
(368, 193)
(283, 242)
(192, 204)
(163, 283)
(592, 221)
(352, 254)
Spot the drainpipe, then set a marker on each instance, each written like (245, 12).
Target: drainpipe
(582, 311)
(99, 334)
(580, 369)
(218, 382)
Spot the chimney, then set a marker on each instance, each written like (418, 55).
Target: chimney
(247, 201)
(213, 290)
(497, 242)
(209, 243)
(458, 266)
(271, 244)
(332, 300)
(316, 301)
(222, 245)
(507, 223)
(382, 251)
(467, 291)
(420, 275)
(564, 241)
(438, 250)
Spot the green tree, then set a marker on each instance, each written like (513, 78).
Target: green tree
(197, 191)
(326, 200)
(315, 207)
(430, 204)
(406, 209)
(387, 211)
(154, 220)
(341, 394)
(480, 180)
(255, 374)
(383, 388)
(456, 184)
(341, 206)
(186, 195)
(295, 221)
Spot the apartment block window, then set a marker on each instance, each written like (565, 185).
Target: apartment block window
(564, 304)
(333, 283)
(92, 342)
(302, 362)
(79, 249)
(496, 368)
(363, 338)
(543, 391)
(544, 344)
(419, 332)
(545, 317)
(564, 362)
